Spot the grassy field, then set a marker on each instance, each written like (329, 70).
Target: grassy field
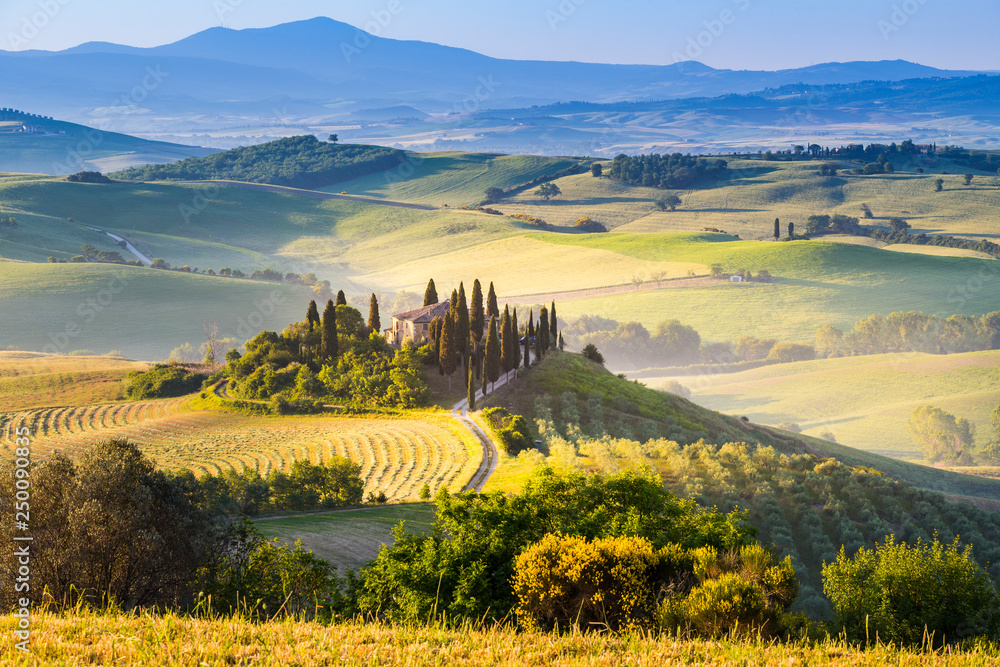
(171, 639)
(864, 401)
(452, 178)
(32, 380)
(143, 313)
(349, 538)
(397, 455)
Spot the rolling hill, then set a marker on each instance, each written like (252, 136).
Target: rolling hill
(60, 148)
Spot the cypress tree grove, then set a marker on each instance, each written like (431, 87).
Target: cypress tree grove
(492, 310)
(477, 318)
(374, 321)
(553, 328)
(492, 367)
(312, 314)
(447, 355)
(543, 328)
(341, 298)
(329, 343)
(472, 385)
(430, 294)
(506, 354)
(462, 323)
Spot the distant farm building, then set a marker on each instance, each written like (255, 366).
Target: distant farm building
(735, 279)
(415, 324)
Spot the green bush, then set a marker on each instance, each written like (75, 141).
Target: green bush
(904, 593)
(511, 430)
(161, 381)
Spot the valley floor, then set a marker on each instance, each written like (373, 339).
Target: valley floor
(164, 640)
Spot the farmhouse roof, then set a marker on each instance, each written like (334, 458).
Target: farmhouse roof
(425, 314)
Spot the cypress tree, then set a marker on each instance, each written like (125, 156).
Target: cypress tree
(527, 351)
(462, 323)
(341, 298)
(449, 362)
(329, 332)
(562, 343)
(472, 385)
(430, 294)
(531, 324)
(791, 229)
(516, 342)
(483, 369)
(492, 310)
(453, 301)
(477, 318)
(492, 367)
(312, 315)
(553, 329)
(539, 352)
(506, 337)
(374, 321)
(777, 229)
(543, 329)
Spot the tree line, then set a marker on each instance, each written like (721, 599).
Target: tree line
(300, 162)
(337, 356)
(672, 171)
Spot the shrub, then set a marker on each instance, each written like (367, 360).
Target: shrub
(744, 591)
(784, 352)
(161, 381)
(591, 352)
(589, 225)
(565, 581)
(895, 591)
(511, 430)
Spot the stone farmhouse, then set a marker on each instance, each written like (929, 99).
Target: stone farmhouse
(414, 324)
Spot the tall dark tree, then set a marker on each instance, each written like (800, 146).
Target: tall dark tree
(374, 321)
(516, 341)
(553, 327)
(527, 350)
(329, 340)
(507, 363)
(434, 335)
(448, 355)
(312, 314)
(492, 362)
(453, 301)
(777, 229)
(543, 329)
(539, 352)
(430, 294)
(477, 316)
(462, 323)
(791, 229)
(341, 298)
(492, 310)
(471, 381)
(531, 324)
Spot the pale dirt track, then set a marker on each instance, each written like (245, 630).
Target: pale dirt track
(700, 281)
(312, 194)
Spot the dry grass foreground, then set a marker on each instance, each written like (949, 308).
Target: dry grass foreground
(86, 638)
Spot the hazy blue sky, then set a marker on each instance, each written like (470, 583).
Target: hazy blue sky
(737, 34)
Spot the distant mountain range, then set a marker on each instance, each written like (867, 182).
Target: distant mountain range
(319, 72)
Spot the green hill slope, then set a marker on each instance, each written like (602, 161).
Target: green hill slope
(143, 313)
(864, 401)
(60, 148)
